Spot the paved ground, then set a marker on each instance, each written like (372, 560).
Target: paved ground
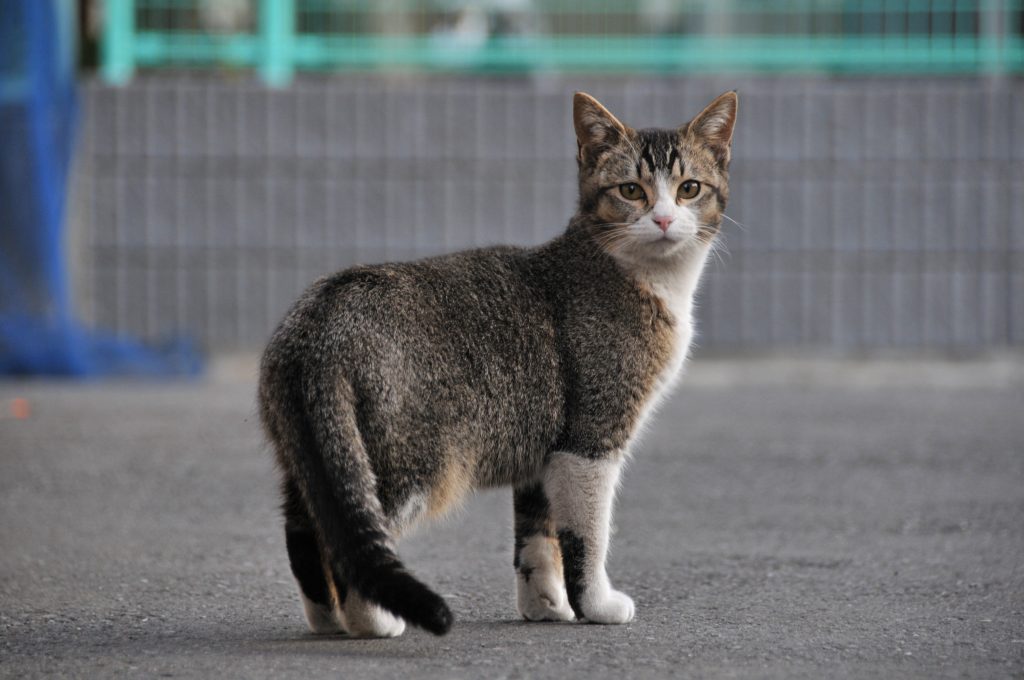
(777, 522)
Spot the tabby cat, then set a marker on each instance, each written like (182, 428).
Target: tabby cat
(390, 391)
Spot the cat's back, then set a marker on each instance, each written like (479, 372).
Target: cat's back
(460, 347)
(476, 293)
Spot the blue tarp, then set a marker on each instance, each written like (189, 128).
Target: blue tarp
(39, 334)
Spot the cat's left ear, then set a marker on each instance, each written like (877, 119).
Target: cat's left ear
(715, 123)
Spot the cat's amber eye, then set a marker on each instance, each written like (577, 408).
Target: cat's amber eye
(689, 189)
(632, 192)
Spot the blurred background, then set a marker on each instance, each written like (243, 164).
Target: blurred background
(201, 161)
(838, 483)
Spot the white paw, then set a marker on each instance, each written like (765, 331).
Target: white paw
(322, 620)
(542, 599)
(384, 625)
(610, 606)
(364, 619)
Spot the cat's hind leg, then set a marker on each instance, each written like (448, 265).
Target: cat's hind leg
(540, 587)
(365, 619)
(318, 596)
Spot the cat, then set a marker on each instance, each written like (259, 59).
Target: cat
(389, 392)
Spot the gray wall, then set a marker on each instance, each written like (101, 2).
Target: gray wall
(877, 213)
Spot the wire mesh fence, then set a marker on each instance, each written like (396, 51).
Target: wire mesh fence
(279, 36)
(877, 213)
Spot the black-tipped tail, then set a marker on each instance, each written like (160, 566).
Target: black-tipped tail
(322, 449)
(398, 591)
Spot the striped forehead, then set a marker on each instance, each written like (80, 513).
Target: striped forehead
(659, 153)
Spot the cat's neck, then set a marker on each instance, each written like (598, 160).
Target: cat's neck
(674, 279)
(674, 282)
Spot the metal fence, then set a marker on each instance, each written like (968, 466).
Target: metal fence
(684, 37)
(877, 213)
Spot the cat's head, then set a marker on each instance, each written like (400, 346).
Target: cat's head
(655, 193)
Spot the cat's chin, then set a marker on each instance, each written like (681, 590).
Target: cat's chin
(660, 251)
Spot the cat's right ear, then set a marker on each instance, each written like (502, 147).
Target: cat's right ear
(595, 125)
(715, 124)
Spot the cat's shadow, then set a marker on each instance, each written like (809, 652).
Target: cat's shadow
(212, 640)
(412, 644)
(343, 645)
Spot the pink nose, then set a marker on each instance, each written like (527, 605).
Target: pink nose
(663, 222)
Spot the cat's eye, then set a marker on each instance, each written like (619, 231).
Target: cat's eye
(689, 189)
(632, 192)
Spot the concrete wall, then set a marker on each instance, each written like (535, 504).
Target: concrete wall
(877, 213)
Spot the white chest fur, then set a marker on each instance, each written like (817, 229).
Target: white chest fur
(675, 287)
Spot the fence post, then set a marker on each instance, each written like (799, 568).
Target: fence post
(995, 16)
(119, 41)
(277, 38)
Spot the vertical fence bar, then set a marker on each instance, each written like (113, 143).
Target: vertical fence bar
(995, 16)
(118, 41)
(277, 38)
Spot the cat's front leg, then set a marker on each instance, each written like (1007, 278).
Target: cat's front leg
(540, 587)
(581, 491)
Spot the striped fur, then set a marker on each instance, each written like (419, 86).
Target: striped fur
(388, 392)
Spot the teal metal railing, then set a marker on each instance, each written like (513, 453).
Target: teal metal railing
(278, 37)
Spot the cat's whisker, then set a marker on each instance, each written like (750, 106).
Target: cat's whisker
(613, 240)
(722, 244)
(614, 231)
(617, 232)
(718, 248)
(615, 247)
(736, 222)
(715, 253)
(618, 246)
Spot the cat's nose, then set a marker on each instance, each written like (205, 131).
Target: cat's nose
(663, 221)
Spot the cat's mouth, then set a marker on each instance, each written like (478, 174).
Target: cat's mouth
(670, 245)
(652, 247)
(670, 239)
(661, 246)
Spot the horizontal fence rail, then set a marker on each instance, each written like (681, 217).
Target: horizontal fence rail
(278, 37)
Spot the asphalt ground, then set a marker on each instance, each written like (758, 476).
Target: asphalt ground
(779, 520)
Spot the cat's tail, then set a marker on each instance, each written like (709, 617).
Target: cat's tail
(340, 488)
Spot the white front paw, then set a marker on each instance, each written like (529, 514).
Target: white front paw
(542, 599)
(609, 606)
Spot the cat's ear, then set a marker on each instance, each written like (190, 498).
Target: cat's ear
(714, 125)
(595, 125)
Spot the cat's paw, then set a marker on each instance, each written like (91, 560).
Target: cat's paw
(364, 619)
(322, 619)
(610, 606)
(543, 600)
(377, 624)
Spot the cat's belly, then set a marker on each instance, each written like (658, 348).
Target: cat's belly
(441, 438)
(501, 469)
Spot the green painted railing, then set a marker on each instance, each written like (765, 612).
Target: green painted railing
(277, 37)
